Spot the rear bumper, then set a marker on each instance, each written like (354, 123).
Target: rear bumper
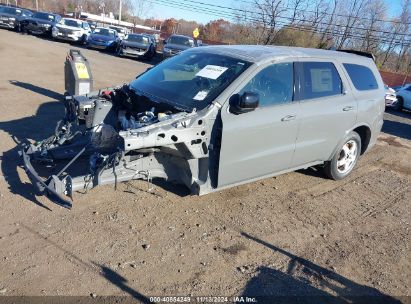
(58, 190)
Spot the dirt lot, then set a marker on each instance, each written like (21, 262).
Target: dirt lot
(297, 234)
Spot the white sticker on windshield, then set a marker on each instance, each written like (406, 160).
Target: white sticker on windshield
(211, 71)
(201, 95)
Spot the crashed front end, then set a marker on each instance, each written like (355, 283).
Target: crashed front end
(134, 50)
(116, 135)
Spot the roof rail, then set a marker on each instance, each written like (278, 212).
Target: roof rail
(360, 53)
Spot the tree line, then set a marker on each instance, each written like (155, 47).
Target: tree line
(364, 25)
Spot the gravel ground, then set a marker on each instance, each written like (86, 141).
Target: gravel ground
(295, 235)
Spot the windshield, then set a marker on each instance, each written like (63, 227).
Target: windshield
(69, 22)
(104, 32)
(137, 38)
(190, 80)
(181, 41)
(44, 16)
(86, 25)
(10, 10)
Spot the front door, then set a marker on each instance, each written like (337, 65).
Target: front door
(261, 142)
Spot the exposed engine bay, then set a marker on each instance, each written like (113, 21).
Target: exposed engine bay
(116, 135)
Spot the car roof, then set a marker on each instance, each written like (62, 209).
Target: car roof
(261, 53)
(103, 27)
(183, 36)
(116, 27)
(72, 19)
(40, 12)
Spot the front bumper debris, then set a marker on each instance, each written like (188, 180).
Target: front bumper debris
(58, 190)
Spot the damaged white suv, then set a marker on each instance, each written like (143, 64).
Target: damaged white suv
(214, 117)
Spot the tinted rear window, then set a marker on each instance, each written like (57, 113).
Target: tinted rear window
(44, 16)
(361, 76)
(11, 10)
(181, 41)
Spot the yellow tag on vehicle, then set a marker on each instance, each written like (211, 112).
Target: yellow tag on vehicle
(81, 69)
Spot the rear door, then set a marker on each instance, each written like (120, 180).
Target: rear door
(328, 110)
(261, 142)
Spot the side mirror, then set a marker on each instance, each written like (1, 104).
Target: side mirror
(244, 103)
(164, 41)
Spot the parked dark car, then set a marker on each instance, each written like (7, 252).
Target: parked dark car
(10, 17)
(104, 39)
(40, 23)
(137, 45)
(153, 39)
(175, 44)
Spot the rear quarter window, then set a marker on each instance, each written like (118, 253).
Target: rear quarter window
(361, 76)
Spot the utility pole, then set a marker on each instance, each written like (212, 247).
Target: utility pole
(37, 5)
(119, 13)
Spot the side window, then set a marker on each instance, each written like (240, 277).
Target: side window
(361, 76)
(320, 79)
(274, 84)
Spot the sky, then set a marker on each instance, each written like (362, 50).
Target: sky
(163, 9)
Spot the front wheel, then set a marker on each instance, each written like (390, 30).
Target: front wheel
(345, 159)
(82, 40)
(400, 103)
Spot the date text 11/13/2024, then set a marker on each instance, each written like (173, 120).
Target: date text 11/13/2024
(203, 299)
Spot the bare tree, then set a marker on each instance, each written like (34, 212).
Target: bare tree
(140, 8)
(373, 27)
(355, 9)
(270, 13)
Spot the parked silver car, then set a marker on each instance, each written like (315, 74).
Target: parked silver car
(137, 45)
(216, 117)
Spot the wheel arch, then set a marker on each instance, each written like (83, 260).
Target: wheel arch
(365, 135)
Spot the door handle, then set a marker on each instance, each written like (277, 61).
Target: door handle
(348, 108)
(288, 118)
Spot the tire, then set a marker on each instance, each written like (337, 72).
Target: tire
(345, 159)
(399, 105)
(82, 40)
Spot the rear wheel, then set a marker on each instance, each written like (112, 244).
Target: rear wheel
(345, 159)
